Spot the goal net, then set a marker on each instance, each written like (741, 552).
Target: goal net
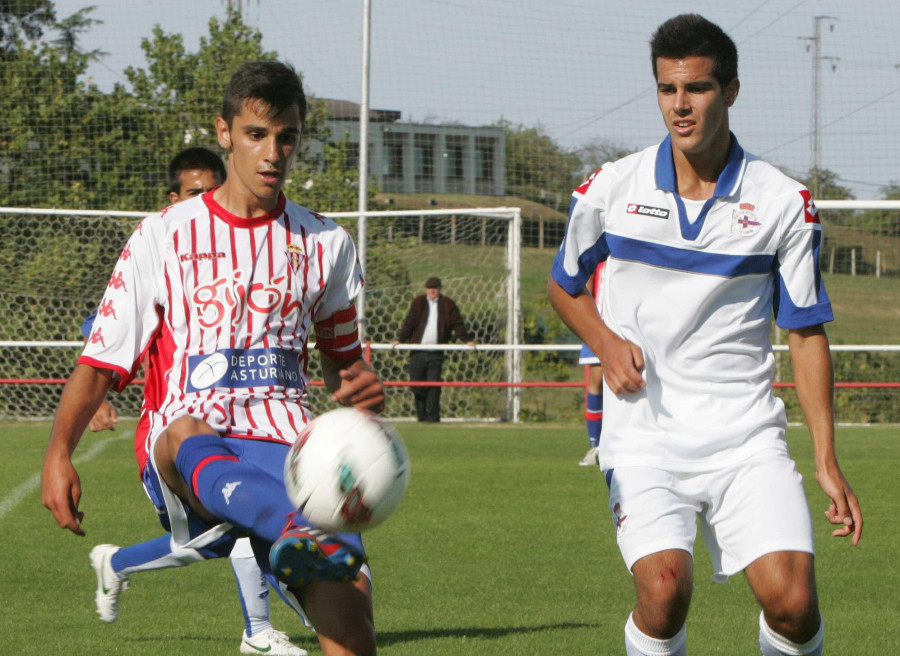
(58, 263)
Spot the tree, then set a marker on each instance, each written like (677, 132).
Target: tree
(23, 20)
(537, 168)
(595, 154)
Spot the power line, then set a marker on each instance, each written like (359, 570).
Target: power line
(837, 120)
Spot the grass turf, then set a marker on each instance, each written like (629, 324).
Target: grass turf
(502, 546)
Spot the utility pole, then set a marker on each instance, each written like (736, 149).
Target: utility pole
(815, 46)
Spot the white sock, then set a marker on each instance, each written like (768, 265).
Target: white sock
(773, 644)
(638, 643)
(253, 592)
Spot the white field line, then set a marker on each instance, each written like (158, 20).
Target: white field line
(12, 499)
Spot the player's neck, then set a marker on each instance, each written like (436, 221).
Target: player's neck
(242, 202)
(697, 173)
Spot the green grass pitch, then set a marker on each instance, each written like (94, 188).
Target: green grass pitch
(502, 546)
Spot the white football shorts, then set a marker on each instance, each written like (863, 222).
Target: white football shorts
(745, 511)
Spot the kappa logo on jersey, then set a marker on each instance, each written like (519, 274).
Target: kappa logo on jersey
(744, 221)
(117, 281)
(97, 337)
(107, 310)
(126, 253)
(646, 210)
(193, 257)
(810, 212)
(226, 293)
(296, 257)
(582, 189)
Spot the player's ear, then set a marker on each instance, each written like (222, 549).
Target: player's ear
(173, 197)
(731, 91)
(223, 134)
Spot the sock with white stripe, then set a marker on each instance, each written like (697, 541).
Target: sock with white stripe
(773, 644)
(638, 643)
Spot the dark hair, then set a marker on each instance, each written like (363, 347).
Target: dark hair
(190, 159)
(274, 83)
(690, 35)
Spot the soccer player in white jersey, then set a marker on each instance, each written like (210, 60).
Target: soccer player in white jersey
(191, 172)
(222, 292)
(703, 242)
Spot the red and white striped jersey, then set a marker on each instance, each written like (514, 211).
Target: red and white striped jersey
(223, 307)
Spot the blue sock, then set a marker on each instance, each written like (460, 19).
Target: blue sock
(233, 490)
(134, 557)
(593, 415)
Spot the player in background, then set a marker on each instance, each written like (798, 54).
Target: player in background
(191, 172)
(593, 397)
(221, 293)
(703, 242)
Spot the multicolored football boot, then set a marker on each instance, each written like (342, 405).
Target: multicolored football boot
(304, 555)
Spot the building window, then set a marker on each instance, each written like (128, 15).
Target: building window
(484, 158)
(456, 146)
(423, 153)
(392, 160)
(350, 151)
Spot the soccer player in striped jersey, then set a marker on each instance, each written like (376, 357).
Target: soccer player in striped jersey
(222, 292)
(703, 243)
(191, 172)
(593, 396)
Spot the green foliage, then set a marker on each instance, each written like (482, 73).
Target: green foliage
(537, 168)
(85, 149)
(23, 19)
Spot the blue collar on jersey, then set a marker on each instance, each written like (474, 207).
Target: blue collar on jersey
(726, 185)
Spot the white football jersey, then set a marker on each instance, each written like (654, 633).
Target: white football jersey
(696, 294)
(223, 307)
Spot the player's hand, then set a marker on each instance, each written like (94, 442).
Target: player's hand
(623, 364)
(360, 388)
(105, 418)
(844, 510)
(61, 492)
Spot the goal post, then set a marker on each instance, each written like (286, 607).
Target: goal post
(476, 254)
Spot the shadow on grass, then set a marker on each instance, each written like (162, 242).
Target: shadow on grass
(386, 638)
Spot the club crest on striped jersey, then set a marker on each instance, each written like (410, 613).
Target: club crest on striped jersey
(296, 257)
(744, 221)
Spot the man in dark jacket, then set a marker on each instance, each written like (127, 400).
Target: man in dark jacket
(430, 319)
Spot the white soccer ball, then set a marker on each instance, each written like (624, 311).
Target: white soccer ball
(347, 471)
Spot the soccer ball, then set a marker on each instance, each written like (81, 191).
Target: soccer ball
(347, 471)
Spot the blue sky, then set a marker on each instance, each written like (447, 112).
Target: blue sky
(578, 68)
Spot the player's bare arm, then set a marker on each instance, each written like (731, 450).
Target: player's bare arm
(353, 383)
(622, 360)
(60, 484)
(814, 378)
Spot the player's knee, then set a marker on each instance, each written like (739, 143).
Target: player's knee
(187, 426)
(794, 613)
(664, 600)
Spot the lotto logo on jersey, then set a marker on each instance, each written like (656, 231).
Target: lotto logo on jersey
(646, 210)
(582, 189)
(810, 212)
